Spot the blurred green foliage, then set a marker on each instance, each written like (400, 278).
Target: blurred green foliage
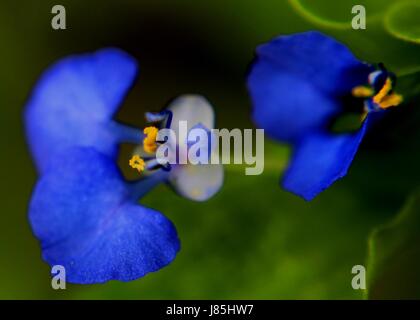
(402, 21)
(394, 255)
(252, 240)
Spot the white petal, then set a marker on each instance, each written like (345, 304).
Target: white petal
(197, 182)
(194, 109)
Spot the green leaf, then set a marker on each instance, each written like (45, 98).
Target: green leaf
(338, 14)
(402, 21)
(394, 255)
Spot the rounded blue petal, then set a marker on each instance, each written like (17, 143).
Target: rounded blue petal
(74, 101)
(84, 216)
(320, 159)
(297, 83)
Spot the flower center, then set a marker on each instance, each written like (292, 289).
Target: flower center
(378, 94)
(149, 142)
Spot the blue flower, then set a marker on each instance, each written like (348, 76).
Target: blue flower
(300, 84)
(85, 215)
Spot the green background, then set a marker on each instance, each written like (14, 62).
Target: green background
(252, 240)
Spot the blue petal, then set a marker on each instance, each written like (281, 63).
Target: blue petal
(320, 159)
(83, 216)
(74, 101)
(297, 83)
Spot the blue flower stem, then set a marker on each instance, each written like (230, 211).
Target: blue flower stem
(142, 187)
(125, 133)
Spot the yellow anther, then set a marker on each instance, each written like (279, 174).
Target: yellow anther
(137, 163)
(150, 148)
(151, 132)
(383, 92)
(384, 99)
(149, 142)
(362, 92)
(391, 100)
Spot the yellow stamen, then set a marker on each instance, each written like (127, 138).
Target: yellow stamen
(391, 100)
(362, 92)
(383, 92)
(149, 142)
(137, 163)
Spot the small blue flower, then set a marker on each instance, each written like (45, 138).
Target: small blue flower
(85, 215)
(300, 84)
